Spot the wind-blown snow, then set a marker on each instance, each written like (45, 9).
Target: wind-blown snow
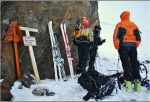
(107, 59)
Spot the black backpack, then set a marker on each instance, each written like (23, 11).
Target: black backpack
(98, 85)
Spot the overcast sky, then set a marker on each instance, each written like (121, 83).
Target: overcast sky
(109, 14)
(139, 11)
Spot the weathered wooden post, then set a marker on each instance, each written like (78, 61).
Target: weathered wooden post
(30, 41)
(14, 34)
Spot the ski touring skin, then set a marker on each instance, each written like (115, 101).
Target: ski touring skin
(67, 47)
(58, 61)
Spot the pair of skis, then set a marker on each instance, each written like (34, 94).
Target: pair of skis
(58, 61)
(67, 47)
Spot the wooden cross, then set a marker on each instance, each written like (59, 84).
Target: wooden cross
(26, 29)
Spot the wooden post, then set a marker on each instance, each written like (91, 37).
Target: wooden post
(14, 34)
(17, 55)
(26, 29)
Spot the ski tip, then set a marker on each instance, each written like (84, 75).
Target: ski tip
(50, 22)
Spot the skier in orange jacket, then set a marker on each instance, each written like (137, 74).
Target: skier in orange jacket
(126, 39)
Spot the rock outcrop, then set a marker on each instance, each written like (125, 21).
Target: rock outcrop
(37, 14)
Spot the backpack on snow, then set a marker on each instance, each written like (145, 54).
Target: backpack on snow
(98, 85)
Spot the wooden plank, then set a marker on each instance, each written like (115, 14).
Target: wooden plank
(32, 53)
(29, 29)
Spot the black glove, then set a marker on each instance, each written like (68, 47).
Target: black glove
(74, 41)
(103, 41)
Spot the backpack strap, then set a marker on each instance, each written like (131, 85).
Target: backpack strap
(95, 84)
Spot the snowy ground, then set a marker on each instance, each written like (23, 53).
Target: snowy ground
(107, 60)
(71, 91)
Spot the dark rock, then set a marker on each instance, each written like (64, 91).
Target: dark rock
(38, 92)
(27, 80)
(5, 91)
(37, 14)
(48, 93)
(20, 86)
(8, 70)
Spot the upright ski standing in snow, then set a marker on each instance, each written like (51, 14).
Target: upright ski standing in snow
(67, 47)
(58, 61)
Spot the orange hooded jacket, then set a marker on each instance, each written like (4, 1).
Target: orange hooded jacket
(126, 32)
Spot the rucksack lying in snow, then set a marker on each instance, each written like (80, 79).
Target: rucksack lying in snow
(98, 85)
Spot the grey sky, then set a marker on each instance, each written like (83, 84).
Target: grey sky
(139, 12)
(109, 14)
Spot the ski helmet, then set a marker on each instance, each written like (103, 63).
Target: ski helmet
(85, 22)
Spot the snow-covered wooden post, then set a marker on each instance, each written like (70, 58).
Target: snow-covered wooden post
(31, 42)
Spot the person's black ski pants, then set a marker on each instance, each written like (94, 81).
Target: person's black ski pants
(83, 54)
(93, 52)
(128, 56)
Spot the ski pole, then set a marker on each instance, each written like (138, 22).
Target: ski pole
(118, 62)
(100, 63)
(118, 80)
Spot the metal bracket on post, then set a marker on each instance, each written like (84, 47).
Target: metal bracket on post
(26, 29)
